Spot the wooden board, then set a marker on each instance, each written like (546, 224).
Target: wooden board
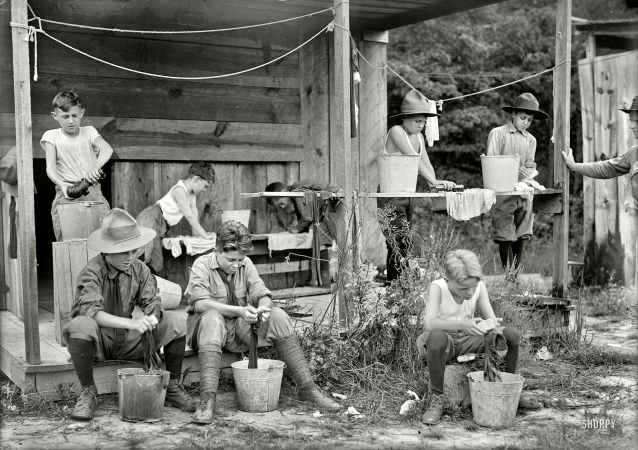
(587, 107)
(69, 258)
(315, 110)
(373, 116)
(158, 139)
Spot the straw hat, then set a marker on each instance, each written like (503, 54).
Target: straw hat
(119, 233)
(9, 172)
(527, 103)
(633, 107)
(415, 103)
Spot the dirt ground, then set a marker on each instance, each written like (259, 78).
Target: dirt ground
(580, 420)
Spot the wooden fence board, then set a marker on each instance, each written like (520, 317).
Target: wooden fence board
(163, 99)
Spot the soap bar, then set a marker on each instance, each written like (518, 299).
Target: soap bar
(487, 325)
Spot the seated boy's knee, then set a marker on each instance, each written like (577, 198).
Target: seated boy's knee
(512, 335)
(437, 339)
(83, 325)
(174, 320)
(212, 318)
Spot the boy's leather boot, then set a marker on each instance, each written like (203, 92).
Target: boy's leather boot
(209, 369)
(84, 408)
(433, 414)
(177, 396)
(291, 353)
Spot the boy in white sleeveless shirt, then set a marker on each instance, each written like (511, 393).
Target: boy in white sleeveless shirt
(452, 330)
(73, 152)
(180, 202)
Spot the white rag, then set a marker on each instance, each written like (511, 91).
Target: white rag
(469, 203)
(526, 188)
(194, 245)
(432, 125)
(288, 241)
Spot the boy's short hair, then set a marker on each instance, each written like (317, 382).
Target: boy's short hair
(203, 170)
(66, 100)
(462, 264)
(234, 236)
(277, 186)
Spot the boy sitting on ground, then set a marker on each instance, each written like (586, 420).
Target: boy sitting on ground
(102, 326)
(452, 330)
(74, 152)
(512, 217)
(180, 202)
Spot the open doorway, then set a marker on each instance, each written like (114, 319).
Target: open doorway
(44, 235)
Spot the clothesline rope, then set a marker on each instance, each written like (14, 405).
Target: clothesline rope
(32, 32)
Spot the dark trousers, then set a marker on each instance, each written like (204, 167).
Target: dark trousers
(403, 208)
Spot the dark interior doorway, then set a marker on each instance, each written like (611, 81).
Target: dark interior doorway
(44, 235)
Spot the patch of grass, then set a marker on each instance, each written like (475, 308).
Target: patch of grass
(610, 300)
(592, 356)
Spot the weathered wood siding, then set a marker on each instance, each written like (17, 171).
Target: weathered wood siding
(610, 224)
(269, 124)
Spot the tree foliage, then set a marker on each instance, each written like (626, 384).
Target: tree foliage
(482, 49)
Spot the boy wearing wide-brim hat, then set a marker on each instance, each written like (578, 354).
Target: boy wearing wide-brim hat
(406, 138)
(512, 217)
(102, 326)
(626, 163)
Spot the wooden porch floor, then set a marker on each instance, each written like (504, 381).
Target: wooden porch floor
(56, 368)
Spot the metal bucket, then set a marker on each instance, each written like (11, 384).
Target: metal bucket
(398, 172)
(500, 173)
(141, 395)
(258, 389)
(494, 404)
(79, 219)
(170, 293)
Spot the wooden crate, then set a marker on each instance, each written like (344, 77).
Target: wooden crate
(69, 258)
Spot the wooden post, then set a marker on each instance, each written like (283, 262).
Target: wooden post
(340, 143)
(588, 111)
(24, 142)
(561, 141)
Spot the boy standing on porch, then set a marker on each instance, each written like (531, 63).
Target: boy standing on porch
(512, 216)
(73, 152)
(102, 326)
(177, 204)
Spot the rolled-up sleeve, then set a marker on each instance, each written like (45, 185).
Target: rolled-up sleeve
(199, 287)
(494, 143)
(147, 299)
(88, 293)
(610, 168)
(255, 285)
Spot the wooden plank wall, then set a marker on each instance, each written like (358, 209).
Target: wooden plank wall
(613, 229)
(250, 126)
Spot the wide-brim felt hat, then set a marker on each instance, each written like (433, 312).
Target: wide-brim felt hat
(415, 103)
(9, 172)
(119, 233)
(633, 107)
(527, 103)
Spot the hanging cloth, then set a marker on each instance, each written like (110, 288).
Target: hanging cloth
(432, 125)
